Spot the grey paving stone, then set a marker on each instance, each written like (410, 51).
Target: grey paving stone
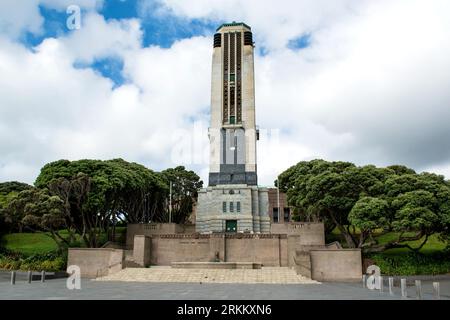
(56, 289)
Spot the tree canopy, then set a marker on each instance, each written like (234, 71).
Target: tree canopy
(94, 195)
(185, 185)
(97, 194)
(369, 199)
(8, 190)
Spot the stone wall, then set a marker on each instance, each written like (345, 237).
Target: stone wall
(142, 250)
(214, 208)
(166, 249)
(296, 244)
(148, 229)
(273, 204)
(96, 262)
(336, 265)
(310, 233)
(268, 249)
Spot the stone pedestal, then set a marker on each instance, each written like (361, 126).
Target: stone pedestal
(247, 205)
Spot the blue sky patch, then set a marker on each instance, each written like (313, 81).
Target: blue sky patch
(262, 51)
(54, 26)
(119, 9)
(164, 31)
(299, 43)
(160, 27)
(110, 67)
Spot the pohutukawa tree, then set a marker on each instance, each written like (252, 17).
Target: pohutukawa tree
(185, 184)
(362, 201)
(96, 194)
(8, 190)
(36, 210)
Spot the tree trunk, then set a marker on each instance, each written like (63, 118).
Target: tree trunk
(344, 232)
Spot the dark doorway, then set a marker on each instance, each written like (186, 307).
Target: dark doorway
(231, 226)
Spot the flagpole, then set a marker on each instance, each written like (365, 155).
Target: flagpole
(170, 204)
(278, 200)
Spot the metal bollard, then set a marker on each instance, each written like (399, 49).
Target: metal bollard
(364, 280)
(391, 286)
(418, 289)
(43, 276)
(436, 291)
(30, 276)
(403, 286)
(381, 284)
(13, 277)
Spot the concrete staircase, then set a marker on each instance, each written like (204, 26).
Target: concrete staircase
(278, 275)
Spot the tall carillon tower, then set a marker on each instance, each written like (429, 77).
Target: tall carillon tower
(233, 202)
(233, 132)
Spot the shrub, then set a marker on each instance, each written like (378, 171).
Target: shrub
(51, 261)
(413, 263)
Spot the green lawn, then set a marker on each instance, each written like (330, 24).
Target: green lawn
(431, 260)
(433, 244)
(37, 243)
(29, 243)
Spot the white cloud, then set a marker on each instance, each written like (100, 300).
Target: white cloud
(99, 38)
(18, 16)
(50, 110)
(275, 22)
(371, 88)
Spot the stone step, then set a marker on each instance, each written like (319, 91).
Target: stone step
(281, 275)
(131, 264)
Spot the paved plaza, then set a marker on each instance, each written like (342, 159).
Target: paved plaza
(149, 290)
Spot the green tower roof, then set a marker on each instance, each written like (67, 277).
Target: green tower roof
(233, 24)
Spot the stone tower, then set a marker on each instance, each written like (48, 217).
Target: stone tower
(233, 129)
(233, 202)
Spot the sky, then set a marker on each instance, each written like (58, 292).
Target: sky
(364, 81)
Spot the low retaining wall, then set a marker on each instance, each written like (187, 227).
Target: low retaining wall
(336, 265)
(268, 249)
(311, 233)
(94, 262)
(148, 229)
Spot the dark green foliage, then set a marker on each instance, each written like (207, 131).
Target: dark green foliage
(13, 186)
(90, 198)
(185, 185)
(51, 261)
(413, 263)
(7, 191)
(36, 210)
(97, 194)
(369, 199)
